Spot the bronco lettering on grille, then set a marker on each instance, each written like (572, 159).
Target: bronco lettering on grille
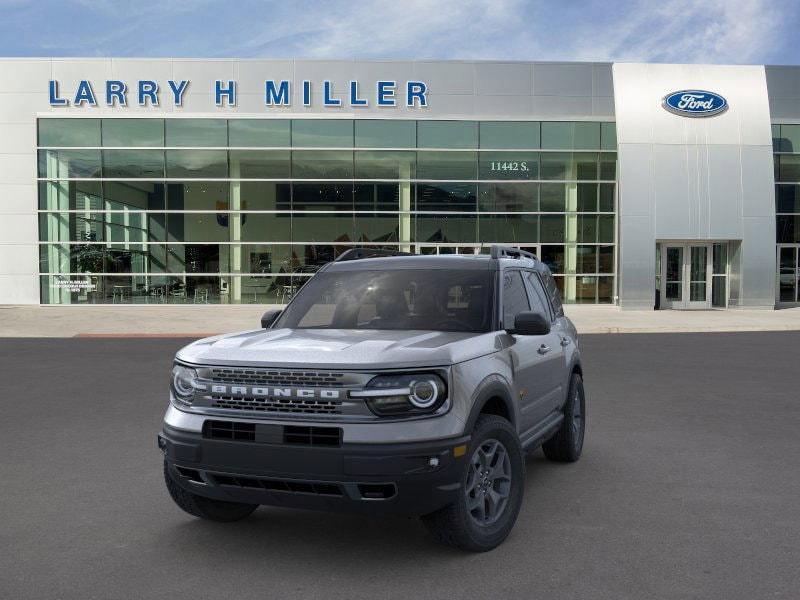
(276, 392)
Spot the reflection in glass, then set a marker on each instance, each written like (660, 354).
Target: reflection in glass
(508, 165)
(197, 164)
(460, 197)
(322, 164)
(501, 135)
(447, 165)
(133, 132)
(259, 133)
(385, 133)
(69, 132)
(447, 134)
(63, 164)
(196, 132)
(322, 133)
(133, 164)
(260, 164)
(508, 197)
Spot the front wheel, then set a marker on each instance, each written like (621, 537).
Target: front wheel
(205, 508)
(491, 490)
(567, 443)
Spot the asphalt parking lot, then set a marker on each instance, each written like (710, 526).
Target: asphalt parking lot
(689, 487)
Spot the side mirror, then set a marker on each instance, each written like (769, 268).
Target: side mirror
(269, 317)
(531, 323)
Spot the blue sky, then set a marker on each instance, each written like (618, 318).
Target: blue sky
(704, 31)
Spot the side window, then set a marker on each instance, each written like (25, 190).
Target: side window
(552, 292)
(538, 296)
(515, 298)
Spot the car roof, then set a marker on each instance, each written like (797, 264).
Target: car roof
(428, 261)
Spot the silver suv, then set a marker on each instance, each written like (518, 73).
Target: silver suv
(390, 384)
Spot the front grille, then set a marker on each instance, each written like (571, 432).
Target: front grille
(312, 436)
(267, 377)
(230, 430)
(280, 485)
(278, 405)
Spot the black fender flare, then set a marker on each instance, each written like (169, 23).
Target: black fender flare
(494, 386)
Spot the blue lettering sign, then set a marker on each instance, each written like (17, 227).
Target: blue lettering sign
(228, 92)
(327, 95)
(277, 95)
(148, 90)
(55, 99)
(416, 93)
(177, 90)
(354, 99)
(84, 93)
(116, 90)
(386, 93)
(306, 93)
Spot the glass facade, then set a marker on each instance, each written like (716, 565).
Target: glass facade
(786, 146)
(245, 210)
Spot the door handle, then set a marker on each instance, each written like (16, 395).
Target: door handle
(565, 341)
(543, 349)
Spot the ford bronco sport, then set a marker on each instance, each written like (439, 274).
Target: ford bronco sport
(390, 384)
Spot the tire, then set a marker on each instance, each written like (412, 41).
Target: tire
(567, 443)
(460, 524)
(206, 508)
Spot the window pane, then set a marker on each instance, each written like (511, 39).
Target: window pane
(605, 290)
(508, 197)
(720, 262)
(789, 168)
(322, 227)
(585, 289)
(608, 166)
(133, 132)
(557, 135)
(446, 165)
(776, 135)
(515, 298)
(377, 227)
(385, 165)
(385, 133)
(264, 195)
(322, 196)
(608, 136)
(322, 164)
(605, 228)
(447, 134)
(509, 165)
(382, 196)
(446, 228)
(509, 134)
(255, 133)
(552, 228)
(322, 133)
(135, 195)
(787, 229)
(198, 227)
(197, 163)
(556, 165)
(790, 138)
(586, 259)
(587, 228)
(553, 197)
(553, 257)
(195, 258)
(606, 197)
(265, 227)
(587, 197)
(514, 229)
(585, 166)
(260, 164)
(70, 195)
(460, 197)
(198, 195)
(787, 198)
(133, 163)
(197, 132)
(587, 136)
(606, 259)
(62, 164)
(69, 132)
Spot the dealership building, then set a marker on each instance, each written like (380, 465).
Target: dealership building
(132, 181)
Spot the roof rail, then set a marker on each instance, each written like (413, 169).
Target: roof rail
(508, 252)
(359, 253)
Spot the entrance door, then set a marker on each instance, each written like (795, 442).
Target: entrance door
(686, 276)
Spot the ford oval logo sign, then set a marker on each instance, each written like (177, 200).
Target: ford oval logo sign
(695, 103)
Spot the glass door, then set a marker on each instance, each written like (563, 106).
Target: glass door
(788, 274)
(686, 274)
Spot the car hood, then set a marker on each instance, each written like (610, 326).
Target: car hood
(340, 348)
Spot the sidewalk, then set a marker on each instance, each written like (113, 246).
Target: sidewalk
(200, 321)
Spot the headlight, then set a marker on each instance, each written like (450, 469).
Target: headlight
(183, 383)
(417, 393)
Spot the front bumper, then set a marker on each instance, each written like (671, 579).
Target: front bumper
(401, 478)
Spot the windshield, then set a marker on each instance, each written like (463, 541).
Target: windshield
(432, 299)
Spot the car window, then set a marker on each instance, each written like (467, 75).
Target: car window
(539, 302)
(515, 298)
(553, 293)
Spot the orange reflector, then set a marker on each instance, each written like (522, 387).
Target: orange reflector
(460, 450)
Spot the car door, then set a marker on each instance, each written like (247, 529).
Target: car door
(531, 355)
(555, 357)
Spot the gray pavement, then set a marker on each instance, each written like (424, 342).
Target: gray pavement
(688, 488)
